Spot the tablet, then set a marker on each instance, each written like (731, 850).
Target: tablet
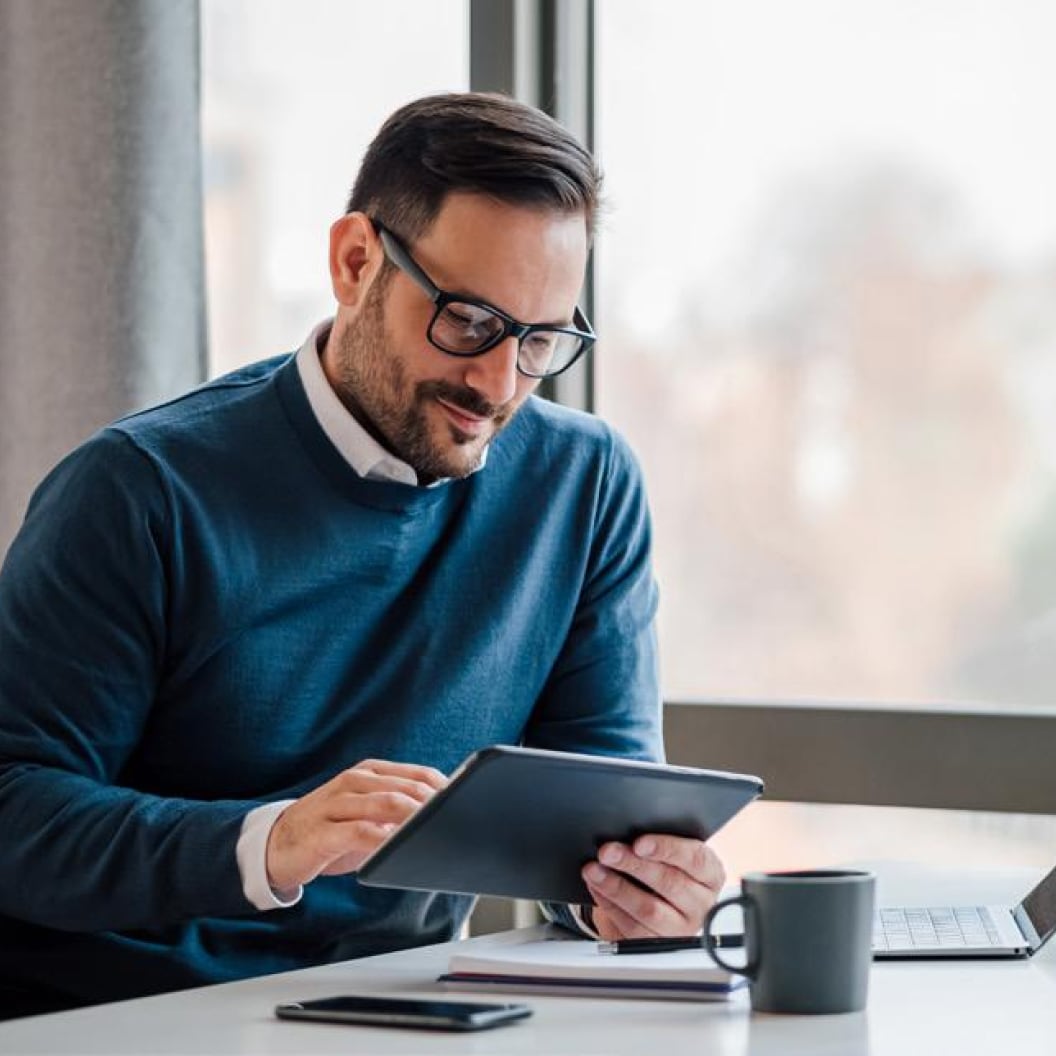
(522, 822)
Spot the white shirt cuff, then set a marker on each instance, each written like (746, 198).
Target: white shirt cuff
(251, 852)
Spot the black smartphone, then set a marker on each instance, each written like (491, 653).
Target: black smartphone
(404, 1012)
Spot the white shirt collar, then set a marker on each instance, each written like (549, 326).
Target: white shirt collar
(358, 448)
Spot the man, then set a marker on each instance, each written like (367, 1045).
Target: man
(245, 634)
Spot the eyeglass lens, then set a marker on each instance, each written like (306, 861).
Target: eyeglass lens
(466, 328)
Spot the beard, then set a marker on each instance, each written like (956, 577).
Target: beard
(373, 385)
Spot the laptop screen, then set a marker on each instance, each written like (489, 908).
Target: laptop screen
(1040, 907)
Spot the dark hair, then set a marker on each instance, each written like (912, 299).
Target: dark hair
(475, 142)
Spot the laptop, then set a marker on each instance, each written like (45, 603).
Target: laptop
(967, 931)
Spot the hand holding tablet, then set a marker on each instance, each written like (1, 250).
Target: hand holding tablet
(521, 822)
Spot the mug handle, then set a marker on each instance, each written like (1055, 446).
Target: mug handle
(748, 905)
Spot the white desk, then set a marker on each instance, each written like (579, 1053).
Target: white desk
(966, 1008)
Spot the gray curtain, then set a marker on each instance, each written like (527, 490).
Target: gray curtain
(101, 271)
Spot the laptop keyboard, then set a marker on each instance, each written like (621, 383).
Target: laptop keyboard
(946, 927)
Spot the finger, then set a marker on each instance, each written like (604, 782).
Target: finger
(389, 806)
(665, 882)
(359, 839)
(427, 775)
(613, 923)
(364, 781)
(693, 857)
(670, 883)
(646, 907)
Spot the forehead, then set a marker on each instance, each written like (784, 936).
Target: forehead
(529, 262)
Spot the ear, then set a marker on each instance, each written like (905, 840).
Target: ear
(356, 258)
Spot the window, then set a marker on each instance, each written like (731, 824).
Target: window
(827, 319)
(827, 323)
(291, 96)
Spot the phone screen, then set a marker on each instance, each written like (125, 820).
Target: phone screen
(404, 1012)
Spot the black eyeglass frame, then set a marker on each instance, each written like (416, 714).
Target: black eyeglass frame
(400, 256)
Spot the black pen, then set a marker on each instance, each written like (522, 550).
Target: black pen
(662, 945)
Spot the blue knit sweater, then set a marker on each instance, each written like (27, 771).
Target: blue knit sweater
(207, 609)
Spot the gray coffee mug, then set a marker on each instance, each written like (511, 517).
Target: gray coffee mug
(807, 937)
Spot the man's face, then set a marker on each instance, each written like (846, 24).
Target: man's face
(436, 411)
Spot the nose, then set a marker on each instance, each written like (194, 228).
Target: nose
(494, 374)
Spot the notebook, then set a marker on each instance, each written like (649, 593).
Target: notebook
(575, 966)
(968, 931)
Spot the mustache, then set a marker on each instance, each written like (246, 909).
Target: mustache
(464, 399)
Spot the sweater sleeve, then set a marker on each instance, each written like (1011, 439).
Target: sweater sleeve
(82, 643)
(603, 694)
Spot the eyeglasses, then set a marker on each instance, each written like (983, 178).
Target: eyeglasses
(462, 326)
